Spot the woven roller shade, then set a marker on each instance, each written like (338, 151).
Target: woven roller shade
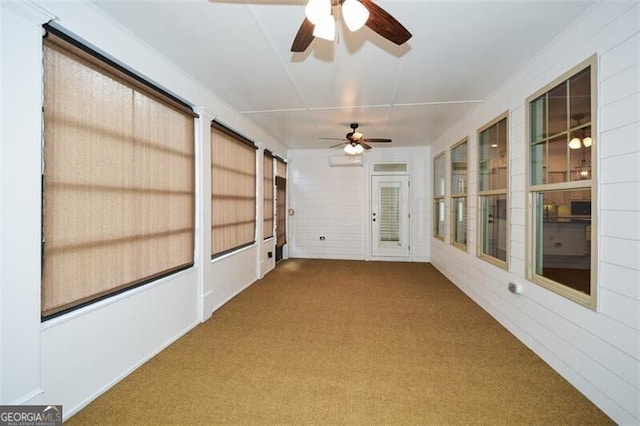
(281, 204)
(119, 182)
(233, 192)
(268, 182)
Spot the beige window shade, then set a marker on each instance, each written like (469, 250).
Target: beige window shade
(281, 203)
(233, 192)
(267, 167)
(119, 188)
(281, 168)
(390, 213)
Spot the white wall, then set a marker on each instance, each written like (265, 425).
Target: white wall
(334, 202)
(71, 359)
(598, 352)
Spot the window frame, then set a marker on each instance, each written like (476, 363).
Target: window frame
(280, 195)
(591, 300)
(481, 194)
(439, 200)
(144, 92)
(455, 196)
(268, 197)
(241, 140)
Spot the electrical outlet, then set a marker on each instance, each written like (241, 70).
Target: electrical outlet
(515, 288)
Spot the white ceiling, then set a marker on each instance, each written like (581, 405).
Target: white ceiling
(459, 53)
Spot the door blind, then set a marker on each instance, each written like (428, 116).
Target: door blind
(390, 214)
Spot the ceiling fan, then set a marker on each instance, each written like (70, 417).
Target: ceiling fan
(355, 142)
(319, 21)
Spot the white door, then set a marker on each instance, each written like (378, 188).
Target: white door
(390, 216)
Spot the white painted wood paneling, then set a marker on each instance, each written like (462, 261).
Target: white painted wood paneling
(597, 351)
(328, 202)
(88, 351)
(334, 202)
(20, 169)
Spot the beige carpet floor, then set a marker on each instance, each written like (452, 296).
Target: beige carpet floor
(346, 342)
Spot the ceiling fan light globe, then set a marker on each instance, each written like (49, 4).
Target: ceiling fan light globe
(587, 142)
(355, 14)
(575, 143)
(350, 149)
(315, 10)
(359, 149)
(325, 28)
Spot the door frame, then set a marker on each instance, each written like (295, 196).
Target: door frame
(368, 212)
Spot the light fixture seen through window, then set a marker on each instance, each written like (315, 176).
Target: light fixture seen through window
(576, 143)
(584, 170)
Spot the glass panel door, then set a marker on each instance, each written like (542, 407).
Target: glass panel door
(390, 216)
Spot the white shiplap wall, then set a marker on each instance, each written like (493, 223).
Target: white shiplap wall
(334, 202)
(327, 201)
(597, 351)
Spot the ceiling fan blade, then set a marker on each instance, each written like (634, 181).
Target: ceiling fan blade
(338, 144)
(304, 37)
(376, 140)
(364, 145)
(384, 24)
(333, 139)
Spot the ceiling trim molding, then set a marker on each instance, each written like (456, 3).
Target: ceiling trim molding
(416, 104)
(30, 11)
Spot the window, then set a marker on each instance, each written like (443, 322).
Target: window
(281, 205)
(561, 184)
(118, 181)
(268, 182)
(438, 196)
(459, 166)
(493, 158)
(233, 191)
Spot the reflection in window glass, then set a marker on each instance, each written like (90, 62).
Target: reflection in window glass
(494, 226)
(459, 215)
(557, 110)
(493, 158)
(440, 218)
(580, 154)
(438, 195)
(561, 138)
(459, 169)
(459, 166)
(563, 237)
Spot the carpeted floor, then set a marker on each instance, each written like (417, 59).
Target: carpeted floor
(346, 342)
